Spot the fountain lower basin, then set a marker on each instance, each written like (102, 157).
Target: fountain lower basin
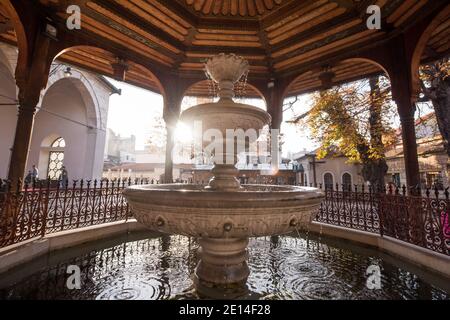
(194, 211)
(223, 221)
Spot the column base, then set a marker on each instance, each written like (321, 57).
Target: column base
(207, 290)
(222, 271)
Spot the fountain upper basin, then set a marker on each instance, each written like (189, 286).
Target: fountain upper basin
(253, 211)
(225, 115)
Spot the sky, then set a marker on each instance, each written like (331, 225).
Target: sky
(296, 138)
(133, 113)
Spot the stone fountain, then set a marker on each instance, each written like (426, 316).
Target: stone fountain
(224, 214)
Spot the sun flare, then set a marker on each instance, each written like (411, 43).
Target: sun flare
(183, 133)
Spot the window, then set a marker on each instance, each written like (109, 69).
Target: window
(328, 180)
(434, 180)
(280, 181)
(396, 179)
(347, 181)
(56, 159)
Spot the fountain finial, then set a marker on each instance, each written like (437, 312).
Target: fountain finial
(226, 70)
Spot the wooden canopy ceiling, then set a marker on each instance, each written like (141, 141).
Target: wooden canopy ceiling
(243, 8)
(278, 37)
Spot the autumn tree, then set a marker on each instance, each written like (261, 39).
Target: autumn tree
(435, 84)
(156, 137)
(356, 121)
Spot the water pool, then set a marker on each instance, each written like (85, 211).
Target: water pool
(151, 266)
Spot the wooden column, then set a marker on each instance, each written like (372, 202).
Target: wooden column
(173, 88)
(30, 81)
(22, 138)
(274, 95)
(274, 99)
(406, 111)
(403, 95)
(172, 107)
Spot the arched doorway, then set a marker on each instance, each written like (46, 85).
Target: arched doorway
(328, 180)
(347, 181)
(55, 161)
(68, 108)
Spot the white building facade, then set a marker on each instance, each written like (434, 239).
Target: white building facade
(70, 122)
(329, 171)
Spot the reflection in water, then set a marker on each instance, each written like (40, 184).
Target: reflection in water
(126, 288)
(291, 267)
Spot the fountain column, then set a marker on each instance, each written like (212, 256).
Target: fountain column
(224, 170)
(223, 266)
(223, 263)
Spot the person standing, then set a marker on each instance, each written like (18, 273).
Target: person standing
(28, 178)
(64, 177)
(34, 174)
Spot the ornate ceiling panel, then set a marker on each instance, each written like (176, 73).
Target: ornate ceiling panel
(278, 37)
(243, 8)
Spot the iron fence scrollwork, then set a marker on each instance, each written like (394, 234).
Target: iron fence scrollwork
(45, 207)
(418, 217)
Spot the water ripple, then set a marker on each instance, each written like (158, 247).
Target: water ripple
(153, 268)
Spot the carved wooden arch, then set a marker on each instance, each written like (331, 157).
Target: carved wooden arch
(16, 12)
(5, 51)
(422, 43)
(155, 76)
(379, 64)
(287, 83)
(290, 81)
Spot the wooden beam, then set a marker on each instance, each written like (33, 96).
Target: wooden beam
(180, 10)
(130, 16)
(315, 31)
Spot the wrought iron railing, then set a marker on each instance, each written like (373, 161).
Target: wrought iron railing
(421, 218)
(46, 207)
(355, 209)
(418, 217)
